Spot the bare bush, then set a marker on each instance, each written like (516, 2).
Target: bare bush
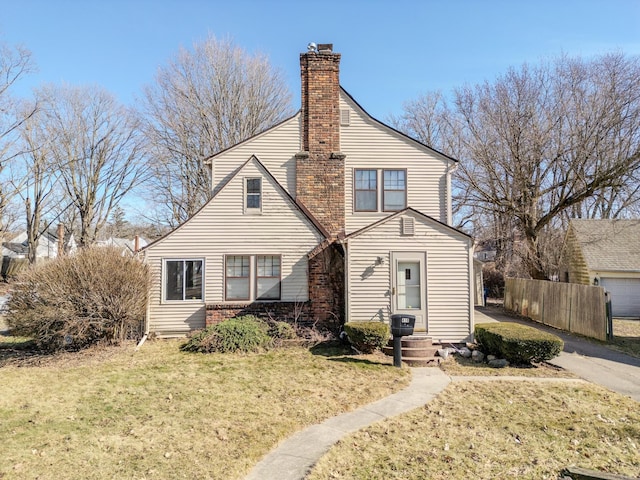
(77, 301)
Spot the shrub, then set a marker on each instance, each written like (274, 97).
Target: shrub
(281, 331)
(76, 301)
(238, 334)
(517, 343)
(493, 281)
(367, 336)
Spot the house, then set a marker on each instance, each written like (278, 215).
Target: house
(485, 250)
(605, 253)
(126, 246)
(329, 216)
(47, 245)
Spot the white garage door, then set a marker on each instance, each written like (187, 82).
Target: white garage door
(625, 295)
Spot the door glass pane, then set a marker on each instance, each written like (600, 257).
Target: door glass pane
(408, 285)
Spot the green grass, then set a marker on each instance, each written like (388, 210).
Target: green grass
(162, 413)
(495, 430)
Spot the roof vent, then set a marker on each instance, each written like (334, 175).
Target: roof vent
(345, 119)
(312, 48)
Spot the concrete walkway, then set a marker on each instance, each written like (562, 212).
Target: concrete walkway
(294, 457)
(589, 360)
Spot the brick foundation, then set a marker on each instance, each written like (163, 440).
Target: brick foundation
(291, 312)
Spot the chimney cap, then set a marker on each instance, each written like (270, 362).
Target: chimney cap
(325, 47)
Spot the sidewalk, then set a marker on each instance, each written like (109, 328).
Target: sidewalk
(589, 360)
(293, 458)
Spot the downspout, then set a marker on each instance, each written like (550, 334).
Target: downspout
(347, 306)
(451, 168)
(146, 315)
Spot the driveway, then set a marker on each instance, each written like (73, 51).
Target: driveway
(589, 360)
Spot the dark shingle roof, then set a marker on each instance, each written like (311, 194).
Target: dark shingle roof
(609, 244)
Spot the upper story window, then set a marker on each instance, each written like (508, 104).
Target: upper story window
(366, 190)
(394, 195)
(368, 196)
(183, 279)
(253, 194)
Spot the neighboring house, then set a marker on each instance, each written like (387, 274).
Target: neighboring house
(605, 253)
(47, 246)
(328, 216)
(485, 251)
(126, 246)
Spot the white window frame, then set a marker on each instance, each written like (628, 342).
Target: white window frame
(164, 280)
(247, 209)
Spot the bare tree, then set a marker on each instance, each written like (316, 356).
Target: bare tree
(96, 146)
(37, 179)
(206, 99)
(542, 143)
(15, 63)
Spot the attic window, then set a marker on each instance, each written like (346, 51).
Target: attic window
(345, 119)
(408, 226)
(253, 195)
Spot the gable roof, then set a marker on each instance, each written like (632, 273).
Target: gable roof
(404, 212)
(398, 132)
(313, 221)
(609, 245)
(418, 143)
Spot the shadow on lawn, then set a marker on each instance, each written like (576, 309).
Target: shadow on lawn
(337, 351)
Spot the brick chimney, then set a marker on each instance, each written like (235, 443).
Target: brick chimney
(320, 165)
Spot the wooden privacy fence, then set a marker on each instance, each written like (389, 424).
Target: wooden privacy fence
(568, 306)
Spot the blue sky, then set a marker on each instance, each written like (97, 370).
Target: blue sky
(392, 51)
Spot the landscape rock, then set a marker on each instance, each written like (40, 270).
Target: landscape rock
(465, 352)
(498, 363)
(477, 356)
(491, 357)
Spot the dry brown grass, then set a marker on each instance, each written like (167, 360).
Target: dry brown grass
(494, 430)
(162, 413)
(459, 366)
(626, 336)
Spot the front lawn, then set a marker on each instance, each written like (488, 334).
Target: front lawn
(162, 413)
(494, 430)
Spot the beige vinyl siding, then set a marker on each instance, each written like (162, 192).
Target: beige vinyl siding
(369, 145)
(222, 228)
(448, 275)
(275, 148)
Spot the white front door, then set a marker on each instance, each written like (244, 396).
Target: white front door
(408, 286)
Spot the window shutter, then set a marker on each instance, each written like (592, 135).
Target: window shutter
(408, 226)
(345, 119)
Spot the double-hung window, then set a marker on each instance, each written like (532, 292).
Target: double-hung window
(183, 279)
(253, 195)
(366, 190)
(394, 193)
(252, 277)
(379, 190)
(237, 286)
